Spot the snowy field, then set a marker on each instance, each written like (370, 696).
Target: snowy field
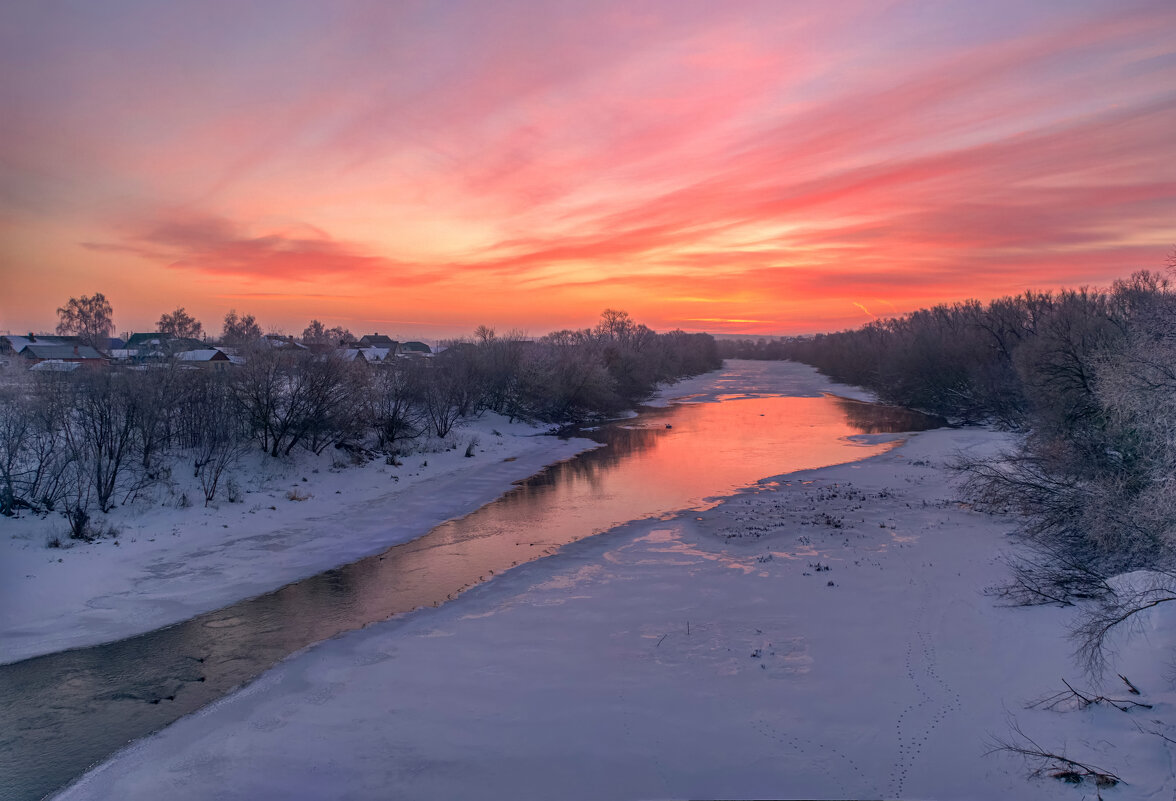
(824, 634)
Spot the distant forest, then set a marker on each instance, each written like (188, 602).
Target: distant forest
(1088, 376)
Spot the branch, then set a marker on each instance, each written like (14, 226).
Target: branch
(1056, 766)
(1081, 701)
(1098, 625)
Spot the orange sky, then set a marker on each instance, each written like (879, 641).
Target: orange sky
(421, 168)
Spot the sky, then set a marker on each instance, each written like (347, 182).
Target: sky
(421, 168)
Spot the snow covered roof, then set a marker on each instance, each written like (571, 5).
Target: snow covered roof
(281, 341)
(205, 355)
(364, 354)
(55, 366)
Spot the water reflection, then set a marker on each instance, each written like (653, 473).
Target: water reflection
(874, 418)
(64, 712)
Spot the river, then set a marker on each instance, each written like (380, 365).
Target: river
(65, 712)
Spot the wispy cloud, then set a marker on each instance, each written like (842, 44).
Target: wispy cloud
(217, 246)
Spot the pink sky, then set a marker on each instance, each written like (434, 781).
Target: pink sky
(421, 168)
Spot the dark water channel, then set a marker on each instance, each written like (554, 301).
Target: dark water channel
(64, 712)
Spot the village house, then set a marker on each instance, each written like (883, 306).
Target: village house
(283, 342)
(206, 359)
(149, 346)
(377, 341)
(369, 355)
(37, 348)
(156, 340)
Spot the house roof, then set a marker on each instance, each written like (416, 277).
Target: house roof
(19, 343)
(377, 341)
(283, 342)
(141, 339)
(203, 355)
(156, 341)
(36, 350)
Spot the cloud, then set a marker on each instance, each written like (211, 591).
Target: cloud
(757, 158)
(217, 246)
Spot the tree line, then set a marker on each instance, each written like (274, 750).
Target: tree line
(81, 442)
(1088, 376)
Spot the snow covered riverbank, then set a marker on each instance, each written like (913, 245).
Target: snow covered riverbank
(172, 558)
(825, 634)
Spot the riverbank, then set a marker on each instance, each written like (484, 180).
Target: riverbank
(823, 634)
(173, 558)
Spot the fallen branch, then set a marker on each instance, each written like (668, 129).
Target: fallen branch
(1048, 763)
(1156, 732)
(1081, 700)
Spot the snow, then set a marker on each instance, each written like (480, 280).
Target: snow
(707, 655)
(171, 561)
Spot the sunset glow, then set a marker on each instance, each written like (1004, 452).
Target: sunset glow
(422, 168)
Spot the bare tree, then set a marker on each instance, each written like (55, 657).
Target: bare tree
(501, 360)
(391, 398)
(318, 333)
(443, 396)
(240, 330)
(293, 398)
(32, 453)
(16, 430)
(180, 324)
(100, 434)
(564, 379)
(47, 460)
(156, 397)
(220, 438)
(88, 317)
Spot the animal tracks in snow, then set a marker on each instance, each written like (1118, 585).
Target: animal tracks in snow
(935, 699)
(837, 765)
